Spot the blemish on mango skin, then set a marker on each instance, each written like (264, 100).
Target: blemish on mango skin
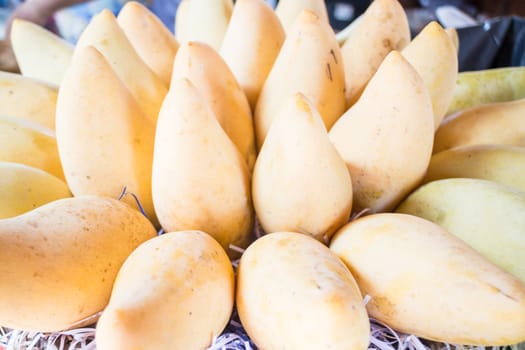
(302, 105)
(329, 72)
(332, 53)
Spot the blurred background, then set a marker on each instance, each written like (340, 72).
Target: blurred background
(420, 12)
(69, 22)
(491, 32)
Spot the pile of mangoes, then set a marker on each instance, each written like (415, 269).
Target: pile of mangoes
(374, 168)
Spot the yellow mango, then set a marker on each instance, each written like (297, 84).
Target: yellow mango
(310, 63)
(28, 98)
(472, 209)
(26, 142)
(208, 72)
(200, 180)
(175, 291)
(152, 40)
(424, 281)
(434, 57)
(474, 88)
(205, 21)
(345, 33)
(104, 139)
(251, 44)
(498, 163)
(58, 262)
(40, 53)
(294, 293)
(288, 10)
(386, 137)
(25, 188)
(383, 27)
(300, 182)
(104, 33)
(500, 123)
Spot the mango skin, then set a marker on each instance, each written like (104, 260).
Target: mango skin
(25, 188)
(308, 62)
(28, 98)
(200, 180)
(293, 293)
(104, 140)
(251, 44)
(476, 88)
(283, 171)
(424, 281)
(175, 291)
(59, 261)
(382, 28)
(499, 163)
(376, 136)
(472, 209)
(433, 54)
(489, 124)
(24, 141)
(40, 53)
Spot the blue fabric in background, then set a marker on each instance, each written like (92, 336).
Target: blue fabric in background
(6, 7)
(71, 21)
(165, 10)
